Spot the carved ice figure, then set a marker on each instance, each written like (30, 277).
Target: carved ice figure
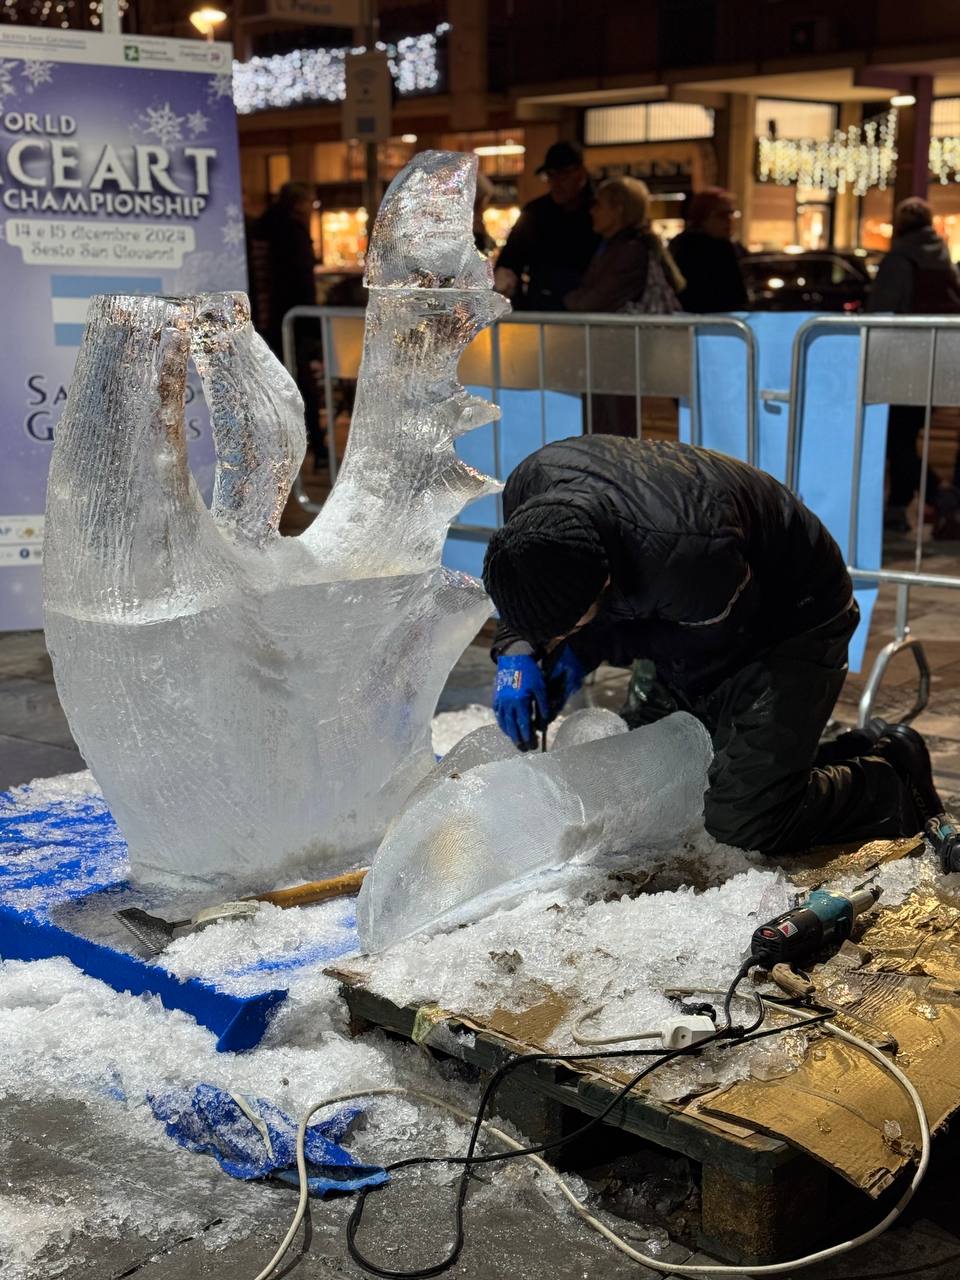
(480, 836)
(251, 703)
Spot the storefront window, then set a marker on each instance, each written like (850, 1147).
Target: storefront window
(344, 237)
(944, 193)
(499, 222)
(814, 215)
(791, 216)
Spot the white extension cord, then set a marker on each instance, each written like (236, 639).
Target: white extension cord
(656, 1264)
(679, 1032)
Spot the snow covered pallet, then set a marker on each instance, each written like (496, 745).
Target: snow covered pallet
(789, 1151)
(750, 1184)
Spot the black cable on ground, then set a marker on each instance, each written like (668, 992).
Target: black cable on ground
(727, 1034)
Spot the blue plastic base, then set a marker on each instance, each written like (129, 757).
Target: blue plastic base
(59, 854)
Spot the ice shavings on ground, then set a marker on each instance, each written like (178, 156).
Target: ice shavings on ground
(57, 824)
(66, 1039)
(69, 1043)
(277, 948)
(622, 954)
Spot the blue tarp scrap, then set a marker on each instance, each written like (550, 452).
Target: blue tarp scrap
(210, 1121)
(64, 850)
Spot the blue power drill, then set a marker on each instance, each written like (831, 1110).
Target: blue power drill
(943, 832)
(819, 925)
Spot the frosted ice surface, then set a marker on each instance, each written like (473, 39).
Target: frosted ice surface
(587, 725)
(461, 846)
(482, 746)
(450, 726)
(250, 703)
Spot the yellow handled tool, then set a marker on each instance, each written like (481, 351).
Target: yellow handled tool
(156, 933)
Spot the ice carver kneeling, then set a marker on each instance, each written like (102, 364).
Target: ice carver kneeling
(738, 599)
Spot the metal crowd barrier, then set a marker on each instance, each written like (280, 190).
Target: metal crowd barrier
(625, 356)
(903, 360)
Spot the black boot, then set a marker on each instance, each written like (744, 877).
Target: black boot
(906, 750)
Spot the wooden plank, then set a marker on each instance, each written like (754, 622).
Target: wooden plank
(754, 1156)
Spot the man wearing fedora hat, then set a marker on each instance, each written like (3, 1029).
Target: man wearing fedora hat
(553, 240)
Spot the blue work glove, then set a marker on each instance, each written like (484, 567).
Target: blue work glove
(564, 677)
(520, 699)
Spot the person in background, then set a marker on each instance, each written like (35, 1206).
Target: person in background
(631, 270)
(285, 229)
(739, 598)
(706, 255)
(916, 277)
(481, 236)
(553, 240)
(288, 262)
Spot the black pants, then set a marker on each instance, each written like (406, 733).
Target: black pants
(903, 427)
(767, 790)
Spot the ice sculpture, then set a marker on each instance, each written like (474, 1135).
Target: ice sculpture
(477, 840)
(251, 703)
(587, 725)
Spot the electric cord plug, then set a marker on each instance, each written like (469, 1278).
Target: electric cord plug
(679, 1032)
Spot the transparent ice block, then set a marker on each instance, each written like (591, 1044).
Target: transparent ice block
(253, 704)
(470, 843)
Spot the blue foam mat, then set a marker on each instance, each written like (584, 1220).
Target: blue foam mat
(61, 854)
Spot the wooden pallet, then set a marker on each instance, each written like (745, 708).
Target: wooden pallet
(761, 1200)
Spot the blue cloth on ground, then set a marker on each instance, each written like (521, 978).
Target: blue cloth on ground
(210, 1122)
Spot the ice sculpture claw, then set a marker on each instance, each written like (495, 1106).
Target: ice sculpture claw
(252, 704)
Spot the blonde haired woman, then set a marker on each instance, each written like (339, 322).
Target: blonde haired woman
(631, 270)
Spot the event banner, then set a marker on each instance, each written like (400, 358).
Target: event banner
(119, 173)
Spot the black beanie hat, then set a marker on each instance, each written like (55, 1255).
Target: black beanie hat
(545, 568)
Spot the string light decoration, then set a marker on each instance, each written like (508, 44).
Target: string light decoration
(855, 159)
(318, 75)
(57, 13)
(945, 159)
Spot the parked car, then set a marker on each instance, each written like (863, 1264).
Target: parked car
(815, 281)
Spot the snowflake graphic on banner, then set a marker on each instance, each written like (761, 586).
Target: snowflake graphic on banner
(221, 85)
(197, 123)
(7, 87)
(232, 212)
(36, 73)
(162, 123)
(232, 233)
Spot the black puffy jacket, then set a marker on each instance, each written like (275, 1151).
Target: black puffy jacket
(712, 562)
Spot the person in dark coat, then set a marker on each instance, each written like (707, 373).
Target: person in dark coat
(286, 259)
(630, 269)
(916, 277)
(551, 243)
(707, 257)
(616, 550)
(285, 229)
(481, 236)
